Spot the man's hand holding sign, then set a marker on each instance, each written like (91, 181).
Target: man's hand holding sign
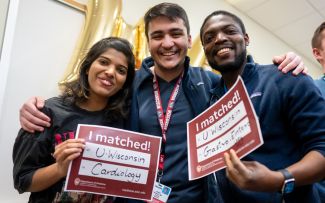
(247, 174)
(231, 123)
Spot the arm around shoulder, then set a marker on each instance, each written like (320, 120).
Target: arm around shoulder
(31, 118)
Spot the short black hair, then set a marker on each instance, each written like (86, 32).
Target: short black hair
(226, 13)
(170, 10)
(316, 40)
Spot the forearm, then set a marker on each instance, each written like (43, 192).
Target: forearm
(251, 175)
(310, 169)
(45, 177)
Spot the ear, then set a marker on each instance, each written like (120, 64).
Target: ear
(246, 38)
(189, 41)
(317, 54)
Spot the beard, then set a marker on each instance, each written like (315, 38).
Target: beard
(231, 66)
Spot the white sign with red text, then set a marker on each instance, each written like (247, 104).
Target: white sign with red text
(230, 123)
(115, 162)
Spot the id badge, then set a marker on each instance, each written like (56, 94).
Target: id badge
(160, 193)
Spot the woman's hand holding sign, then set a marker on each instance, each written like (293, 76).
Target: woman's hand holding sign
(66, 152)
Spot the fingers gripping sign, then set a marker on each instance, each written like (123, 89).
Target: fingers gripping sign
(250, 175)
(236, 171)
(66, 152)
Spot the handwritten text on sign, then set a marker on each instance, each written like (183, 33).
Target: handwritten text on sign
(115, 162)
(229, 123)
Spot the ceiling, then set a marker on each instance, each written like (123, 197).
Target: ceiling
(292, 21)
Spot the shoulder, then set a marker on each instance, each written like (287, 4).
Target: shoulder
(294, 86)
(203, 79)
(202, 73)
(140, 75)
(271, 71)
(267, 68)
(320, 82)
(269, 77)
(54, 102)
(58, 106)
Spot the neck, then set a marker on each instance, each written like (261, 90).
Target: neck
(93, 104)
(322, 63)
(231, 77)
(167, 74)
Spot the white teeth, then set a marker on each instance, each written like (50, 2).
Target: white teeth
(223, 50)
(168, 53)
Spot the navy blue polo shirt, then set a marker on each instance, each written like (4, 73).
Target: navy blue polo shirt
(176, 164)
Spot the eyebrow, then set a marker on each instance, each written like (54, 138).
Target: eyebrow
(104, 57)
(171, 30)
(213, 30)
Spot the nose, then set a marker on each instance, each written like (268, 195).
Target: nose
(110, 71)
(167, 41)
(220, 37)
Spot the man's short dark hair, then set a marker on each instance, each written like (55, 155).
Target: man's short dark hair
(170, 10)
(226, 13)
(317, 38)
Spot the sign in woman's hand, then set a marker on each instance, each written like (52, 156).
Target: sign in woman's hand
(66, 152)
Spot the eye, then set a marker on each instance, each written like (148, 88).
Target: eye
(177, 34)
(208, 38)
(122, 70)
(103, 62)
(156, 36)
(231, 31)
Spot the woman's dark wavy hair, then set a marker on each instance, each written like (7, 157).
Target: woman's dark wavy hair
(77, 91)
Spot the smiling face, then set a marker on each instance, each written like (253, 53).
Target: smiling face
(168, 43)
(224, 43)
(107, 75)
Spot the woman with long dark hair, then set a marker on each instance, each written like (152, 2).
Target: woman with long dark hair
(100, 96)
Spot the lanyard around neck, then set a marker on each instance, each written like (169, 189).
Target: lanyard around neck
(164, 119)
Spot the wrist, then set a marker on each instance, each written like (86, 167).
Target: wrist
(277, 181)
(273, 182)
(60, 173)
(288, 183)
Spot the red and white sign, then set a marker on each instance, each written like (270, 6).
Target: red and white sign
(115, 162)
(230, 123)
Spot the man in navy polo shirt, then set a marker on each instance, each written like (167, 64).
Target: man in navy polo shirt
(291, 114)
(318, 48)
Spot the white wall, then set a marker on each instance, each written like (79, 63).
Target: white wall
(263, 45)
(3, 16)
(43, 40)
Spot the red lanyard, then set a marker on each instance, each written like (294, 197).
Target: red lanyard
(164, 119)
